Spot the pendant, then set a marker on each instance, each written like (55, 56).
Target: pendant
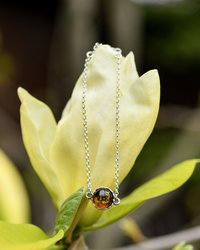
(103, 198)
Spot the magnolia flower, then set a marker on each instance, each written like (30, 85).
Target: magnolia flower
(56, 150)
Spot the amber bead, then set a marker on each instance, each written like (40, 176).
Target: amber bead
(103, 198)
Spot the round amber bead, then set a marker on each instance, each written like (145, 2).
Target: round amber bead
(102, 198)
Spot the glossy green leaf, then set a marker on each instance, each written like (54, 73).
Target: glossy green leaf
(25, 237)
(162, 184)
(68, 211)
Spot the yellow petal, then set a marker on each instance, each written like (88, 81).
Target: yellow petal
(67, 153)
(38, 130)
(138, 111)
(14, 202)
(129, 70)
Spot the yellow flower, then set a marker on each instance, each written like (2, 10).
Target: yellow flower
(57, 152)
(14, 202)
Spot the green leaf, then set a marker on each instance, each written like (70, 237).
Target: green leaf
(68, 211)
(162, 184)
(182, 246)
(25, 237)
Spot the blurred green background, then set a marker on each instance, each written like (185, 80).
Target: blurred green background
(42, 48)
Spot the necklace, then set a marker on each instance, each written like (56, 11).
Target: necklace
(103, 197)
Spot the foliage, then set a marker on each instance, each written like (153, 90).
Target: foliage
(183, 246)
(25, 237)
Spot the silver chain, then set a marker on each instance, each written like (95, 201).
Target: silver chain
(117, 54)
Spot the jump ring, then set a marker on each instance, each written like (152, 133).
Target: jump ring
(89, 195)
(89, 54)
(116, 201)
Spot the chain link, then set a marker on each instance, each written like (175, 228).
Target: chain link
(117, 54)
